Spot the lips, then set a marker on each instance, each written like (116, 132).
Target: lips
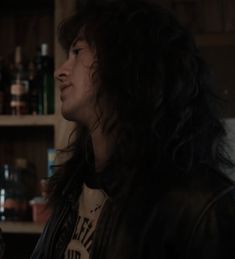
(63, 90)
(64, 86)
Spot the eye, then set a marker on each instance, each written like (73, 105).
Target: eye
(76, 51)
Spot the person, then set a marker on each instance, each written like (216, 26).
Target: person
(145, 177)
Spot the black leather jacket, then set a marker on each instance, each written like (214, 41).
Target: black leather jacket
(194, 219)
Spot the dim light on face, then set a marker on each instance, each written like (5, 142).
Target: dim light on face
(77, 92)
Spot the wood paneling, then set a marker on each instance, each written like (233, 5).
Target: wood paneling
(229, 17)
(28, 31)
(222, 61)
(30, 143)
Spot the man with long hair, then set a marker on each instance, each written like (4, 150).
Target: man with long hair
(145, 178)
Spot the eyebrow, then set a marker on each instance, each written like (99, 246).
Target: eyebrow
(79, 38)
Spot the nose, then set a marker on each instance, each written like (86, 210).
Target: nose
(61, 73)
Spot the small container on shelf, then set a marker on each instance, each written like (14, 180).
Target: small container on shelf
(40, 210)
(51, 156)
(44, 187)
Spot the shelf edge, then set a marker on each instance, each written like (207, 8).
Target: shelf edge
(27, 120)
(21, 227)
(215, 39)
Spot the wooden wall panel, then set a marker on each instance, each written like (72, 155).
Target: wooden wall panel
(28, 31)
(222, 61)
(229, 17)
(30, 143)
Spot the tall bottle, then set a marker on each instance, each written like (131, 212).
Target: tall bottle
(20, 86)
(37, 82)
(35, 99)
(4, 86)
(44, 64)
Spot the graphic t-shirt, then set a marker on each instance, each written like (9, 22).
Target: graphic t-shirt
(90, 205)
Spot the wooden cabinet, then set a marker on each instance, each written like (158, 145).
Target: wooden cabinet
(26, 24)
(214, 30)
(213, 24)
(30, 23)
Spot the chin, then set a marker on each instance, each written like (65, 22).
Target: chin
(68, 115)
(71, 116)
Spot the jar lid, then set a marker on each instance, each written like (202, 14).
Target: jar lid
(38, 200)
(21, 163)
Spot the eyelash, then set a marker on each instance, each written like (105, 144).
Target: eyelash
(76, 51)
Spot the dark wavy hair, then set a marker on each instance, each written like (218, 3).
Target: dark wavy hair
(159, 92)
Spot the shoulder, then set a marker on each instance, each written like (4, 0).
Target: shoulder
(195, 217)
(213, 233)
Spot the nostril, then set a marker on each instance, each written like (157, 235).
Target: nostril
(60, 76)
(57, 74)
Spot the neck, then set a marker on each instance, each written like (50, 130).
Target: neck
(102, 148)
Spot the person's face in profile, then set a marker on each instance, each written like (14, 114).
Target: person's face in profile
(77, 91)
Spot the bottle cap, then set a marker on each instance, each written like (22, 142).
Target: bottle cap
(44, 49)
(21, 163)
(18, 55)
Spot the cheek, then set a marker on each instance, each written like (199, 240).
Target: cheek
(83, 83)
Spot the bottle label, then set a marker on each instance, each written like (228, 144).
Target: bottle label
(17, 89)
(18, 102)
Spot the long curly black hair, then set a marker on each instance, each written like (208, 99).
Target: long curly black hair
(160, 94)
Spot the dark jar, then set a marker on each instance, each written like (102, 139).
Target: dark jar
(13, 200)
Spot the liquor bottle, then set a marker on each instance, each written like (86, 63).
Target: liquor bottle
(38, 82)
(44, 64)
(4, 85)
(34, 91)
(48, 82)
(19, 86)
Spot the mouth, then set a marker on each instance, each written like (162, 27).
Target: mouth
(64, 86)
(63, 90)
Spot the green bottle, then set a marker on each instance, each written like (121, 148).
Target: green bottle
(47, 80)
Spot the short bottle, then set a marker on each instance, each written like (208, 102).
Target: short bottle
(20, 86)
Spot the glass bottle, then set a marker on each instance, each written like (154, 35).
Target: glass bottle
(4, 85)
(44, 78)
(20, 86)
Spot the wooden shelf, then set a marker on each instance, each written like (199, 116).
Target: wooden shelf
(27, 120)
(215, 39)
(21, 227)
